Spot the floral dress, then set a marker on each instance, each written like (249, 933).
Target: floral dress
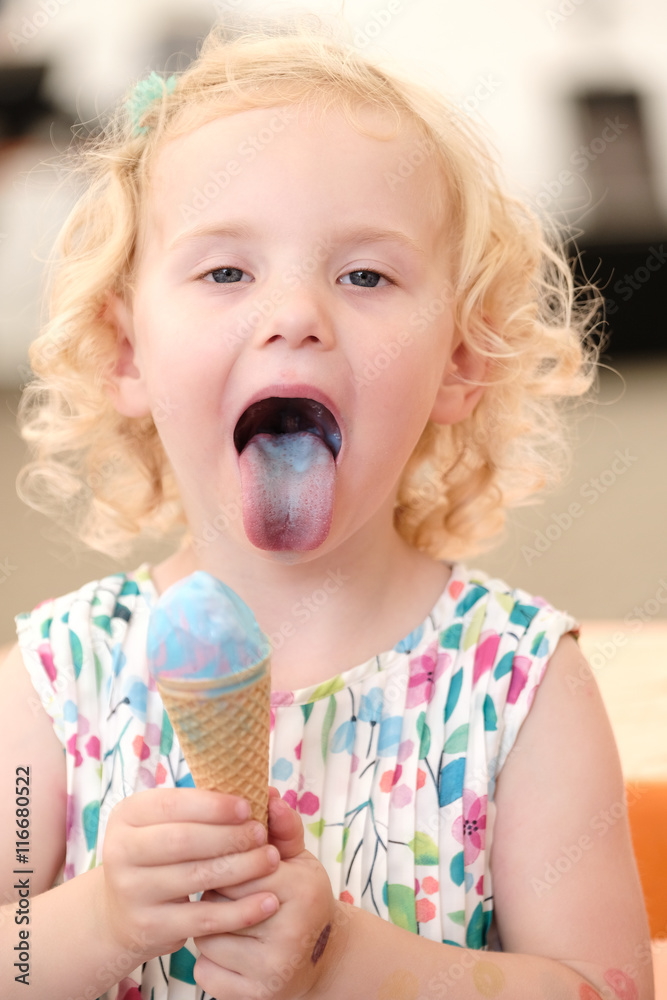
(391, 764)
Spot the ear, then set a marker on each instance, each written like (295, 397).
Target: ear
(127, 387)
(458, 394)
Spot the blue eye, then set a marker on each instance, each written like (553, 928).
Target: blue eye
(225, 275)
(367, 279)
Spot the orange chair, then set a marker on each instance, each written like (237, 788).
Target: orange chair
(647, 812)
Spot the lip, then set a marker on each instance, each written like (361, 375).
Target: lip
(295, 390)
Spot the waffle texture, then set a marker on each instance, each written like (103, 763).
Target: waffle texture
(223, 729)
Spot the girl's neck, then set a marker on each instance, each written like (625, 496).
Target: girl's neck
(327, 615)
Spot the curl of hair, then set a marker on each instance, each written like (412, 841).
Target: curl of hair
(510, 285)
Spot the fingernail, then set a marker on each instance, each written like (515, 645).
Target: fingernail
(270, 904)
(273, 854)
(242, 809)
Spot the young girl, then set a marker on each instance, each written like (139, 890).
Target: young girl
(295, 314)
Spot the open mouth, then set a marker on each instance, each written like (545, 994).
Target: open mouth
(287, 415)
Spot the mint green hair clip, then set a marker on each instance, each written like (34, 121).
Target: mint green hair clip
(152, 88)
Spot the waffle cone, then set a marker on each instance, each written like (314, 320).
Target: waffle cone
(223, 730)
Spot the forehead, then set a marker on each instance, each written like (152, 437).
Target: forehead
(249, 158)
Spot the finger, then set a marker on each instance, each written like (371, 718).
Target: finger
(178, 842)
(220, 982)
(182, 805)
(285, 829)
(176, 881)
(203, 919)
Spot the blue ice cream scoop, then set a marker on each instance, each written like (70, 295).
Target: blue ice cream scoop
(201, 630)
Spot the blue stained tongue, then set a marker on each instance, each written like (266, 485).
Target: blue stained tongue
(288, 483)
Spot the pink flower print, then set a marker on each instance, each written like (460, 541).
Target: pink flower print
(485, 654)
(424, 910)
(520, 668)
(346, 897)
(141, 749)
(297, 750)
(46, 656)
(160, 774)
(404, 750)
(389, 779)
(470, 829)
(479, 888)
(425, 670)
(153, 734)
(82, 725)
(308, 804)
(128, 990)
(93, 747)
(430, 885)
(421, 778)
(71, 746)
(290, 798)
(401, 796)
(455, 588)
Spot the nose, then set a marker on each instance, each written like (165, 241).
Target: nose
(296, 316)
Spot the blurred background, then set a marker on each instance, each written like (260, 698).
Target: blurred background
(573, 93)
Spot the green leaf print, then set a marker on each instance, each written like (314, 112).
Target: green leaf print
(458, 741)
(77, 652)
(424, 848)
(475, 627)
(506, 602)
(46, 627)
(327, 724)
(90, 819)
(341, 853)
(104, 622)
(424, 734)
(478, 927)
(537, 642)
(503, 666)
(182, 966)
(456, 869)
(317, 829)
(401, 903)
(167, 734)
(451, 637)
(99, 673)
(328, 688)
(458, 917)
(307, 709)
(453, 693)
(490, 716)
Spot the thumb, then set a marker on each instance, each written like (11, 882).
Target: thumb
(285, 827)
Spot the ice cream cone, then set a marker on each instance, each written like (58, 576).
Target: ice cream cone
(223, 727)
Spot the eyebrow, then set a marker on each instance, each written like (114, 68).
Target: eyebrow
(348, 234)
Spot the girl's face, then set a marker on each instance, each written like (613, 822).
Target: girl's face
(285, 255)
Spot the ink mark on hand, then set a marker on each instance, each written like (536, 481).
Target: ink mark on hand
(320, 945)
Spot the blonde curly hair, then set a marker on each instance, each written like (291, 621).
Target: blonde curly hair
(515, 304)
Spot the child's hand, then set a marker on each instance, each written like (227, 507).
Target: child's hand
(288, 953)
(165, 844)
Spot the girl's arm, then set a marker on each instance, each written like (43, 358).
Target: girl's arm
(567, 897)
(80, 938)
